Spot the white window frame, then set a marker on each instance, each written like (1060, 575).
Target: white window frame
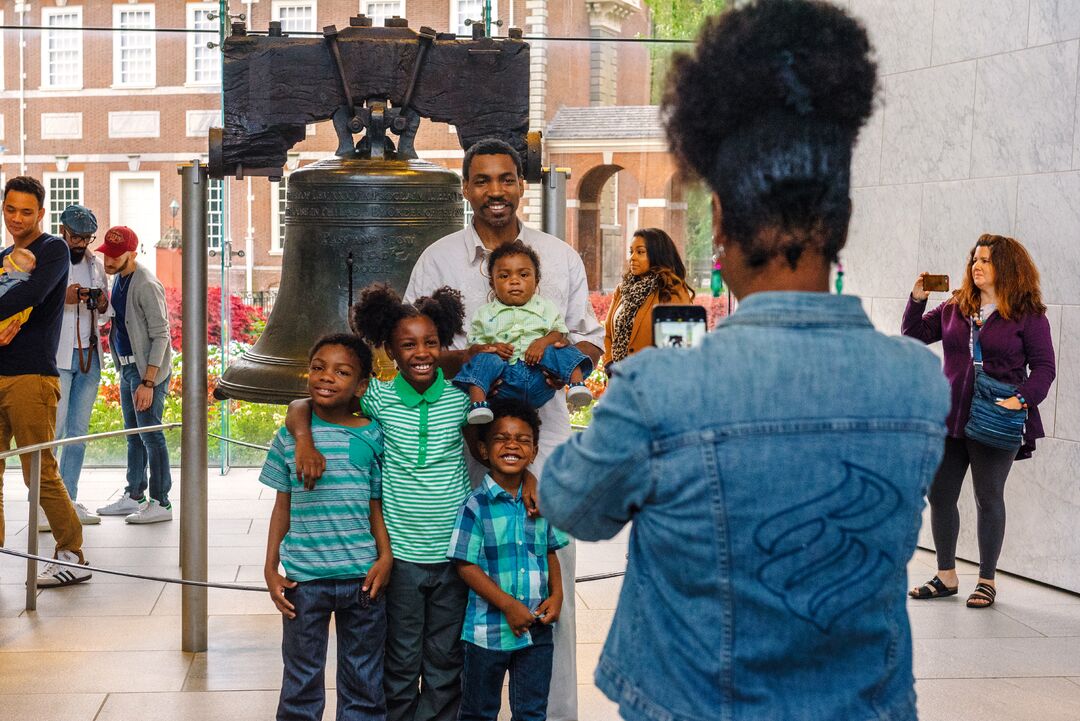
(200, 40)
(277, 215)
(46, 14)
(47, 180)
(118, 80)
(467, 31)
(278, 5)
(210, 245)
(365, 5)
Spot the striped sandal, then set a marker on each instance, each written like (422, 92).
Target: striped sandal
(982, 596)
(934, 588)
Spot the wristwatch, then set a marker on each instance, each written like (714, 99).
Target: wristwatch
(147, 382)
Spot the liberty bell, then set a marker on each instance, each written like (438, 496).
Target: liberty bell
(367, 214)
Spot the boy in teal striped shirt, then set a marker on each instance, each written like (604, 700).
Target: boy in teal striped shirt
(508, 560)
(332, 542)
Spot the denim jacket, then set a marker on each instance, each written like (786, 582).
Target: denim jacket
(775, 477)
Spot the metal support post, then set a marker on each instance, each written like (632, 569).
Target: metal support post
(554, 201)
(32, 532)
(193, 438)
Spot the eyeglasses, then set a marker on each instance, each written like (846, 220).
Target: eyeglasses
(82, 239)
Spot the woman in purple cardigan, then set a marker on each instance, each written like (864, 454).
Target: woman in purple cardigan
(1000, 294)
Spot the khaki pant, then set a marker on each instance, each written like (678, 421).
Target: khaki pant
(28, 413)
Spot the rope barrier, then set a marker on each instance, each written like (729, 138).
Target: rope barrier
(126, 574)
(235, 442)
(209, 584)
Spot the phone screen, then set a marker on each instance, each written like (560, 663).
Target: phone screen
(678, 326)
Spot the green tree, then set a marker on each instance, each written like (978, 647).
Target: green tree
(675, 20)
(681, 20)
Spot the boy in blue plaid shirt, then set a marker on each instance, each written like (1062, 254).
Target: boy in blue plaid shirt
(508, 561)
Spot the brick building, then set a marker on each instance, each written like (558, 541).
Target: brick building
(104, 117)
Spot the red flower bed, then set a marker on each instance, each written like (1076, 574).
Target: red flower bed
(247, 320)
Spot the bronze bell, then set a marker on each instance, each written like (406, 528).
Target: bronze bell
(348, 223)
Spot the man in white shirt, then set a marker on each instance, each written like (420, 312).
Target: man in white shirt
(492, 183)
(78, 356)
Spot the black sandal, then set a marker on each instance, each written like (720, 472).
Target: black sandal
(982, 597)
(934, 588)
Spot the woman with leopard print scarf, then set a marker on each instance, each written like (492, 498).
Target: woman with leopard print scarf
(656, 276)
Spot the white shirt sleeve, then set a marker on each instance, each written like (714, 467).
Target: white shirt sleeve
(580, 318)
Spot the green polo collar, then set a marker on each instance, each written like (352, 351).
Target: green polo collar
(410, 397)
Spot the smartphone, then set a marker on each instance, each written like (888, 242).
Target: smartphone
(935, 283)
(678, 326)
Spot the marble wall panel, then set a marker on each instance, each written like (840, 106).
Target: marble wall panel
(881, 255)
(886, 314)
(1042, 534)
(926, 132)
(1076, 130)
(1052, 21)
(1067, 426)
(866, 160)
(1025, 105)
(955, 214)
(901, 32)
(965, 29)
(1048, 224)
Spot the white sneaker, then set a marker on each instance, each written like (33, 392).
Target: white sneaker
(123, 506)
(480, 414)
(153, 513)
(54, 575)
(86, 517)
(578, 395)
(42, 521)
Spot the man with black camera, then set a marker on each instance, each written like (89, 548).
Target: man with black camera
(78, 357)
(29, 386)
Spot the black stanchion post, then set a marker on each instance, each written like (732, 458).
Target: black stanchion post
(193, 455)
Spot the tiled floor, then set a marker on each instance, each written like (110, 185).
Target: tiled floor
(108, 650)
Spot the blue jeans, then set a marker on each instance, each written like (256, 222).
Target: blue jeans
(519, 380)
(145, 447)
(530, 680)
(78, 391)
(361, 635)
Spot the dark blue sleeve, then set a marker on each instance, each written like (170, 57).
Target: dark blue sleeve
(52, 268)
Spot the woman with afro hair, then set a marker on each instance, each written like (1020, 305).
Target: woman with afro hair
(775, 474)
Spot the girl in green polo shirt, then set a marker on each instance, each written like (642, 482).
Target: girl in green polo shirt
(425, 481)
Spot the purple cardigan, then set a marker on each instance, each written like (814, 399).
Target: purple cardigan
(1009, 348)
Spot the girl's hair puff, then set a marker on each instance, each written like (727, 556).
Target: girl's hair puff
(447, 312)
(380, 309)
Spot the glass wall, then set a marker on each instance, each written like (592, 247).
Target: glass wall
(102, 101)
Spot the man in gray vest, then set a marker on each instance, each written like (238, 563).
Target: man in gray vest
(140, 347)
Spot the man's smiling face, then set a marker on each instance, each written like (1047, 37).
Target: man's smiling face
(493, 189)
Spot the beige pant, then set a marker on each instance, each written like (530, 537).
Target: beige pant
(28, 413)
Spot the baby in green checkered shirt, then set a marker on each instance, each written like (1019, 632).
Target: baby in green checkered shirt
(519, 339)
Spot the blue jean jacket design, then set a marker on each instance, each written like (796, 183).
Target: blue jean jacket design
(775, 477)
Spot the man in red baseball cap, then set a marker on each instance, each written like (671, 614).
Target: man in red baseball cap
(139, 342)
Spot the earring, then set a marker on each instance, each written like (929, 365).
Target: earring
(839, 277)
(716, 281)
